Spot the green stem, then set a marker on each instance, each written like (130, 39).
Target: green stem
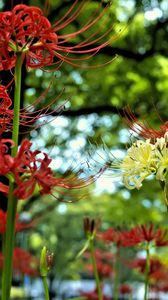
(98, 284)
(117, 271)
(45, 286)
(15, 132)
(147, 273)
(12, 202)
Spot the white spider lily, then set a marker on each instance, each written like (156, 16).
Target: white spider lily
(138, 164)
(162, 164)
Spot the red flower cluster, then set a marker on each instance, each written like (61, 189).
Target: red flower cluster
(102, 261)
(100, 254)
(135, 236)
(104, 269)
(162, 288)
(23, 262)
(113, 235)
(140, 264)
(30, 169)
(125, 289)
(25, 29)
(93, 295)
(144, 233)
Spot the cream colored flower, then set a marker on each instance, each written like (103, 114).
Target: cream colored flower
(139, 163)
(162, 164)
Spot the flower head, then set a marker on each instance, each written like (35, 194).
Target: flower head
(31, 169)
(46, 261)
(93, 295)
(25, 29)
(90, 227)
(104, 269)
(145, 234)
(125, 289)
(138, 164)
(143, 158)
(100, 255)
(140, 265)
(23, 262)
(112, 235)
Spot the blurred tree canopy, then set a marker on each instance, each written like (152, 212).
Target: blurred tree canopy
(136, 76)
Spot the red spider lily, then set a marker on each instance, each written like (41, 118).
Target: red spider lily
(125, 289)
(131, 238)
(161, 238)
(135, 236)
(160, 275)
(23, 262)
(100, 255)
(25, 29)
(144, 233)
(114, 236)
(93, 295)
(143, 129)
(31, 168)
(140, 265)
(163, 288)
(104, 269)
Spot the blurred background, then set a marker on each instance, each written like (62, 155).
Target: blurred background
(136, 76)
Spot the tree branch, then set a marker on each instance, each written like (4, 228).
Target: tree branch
(100, 109)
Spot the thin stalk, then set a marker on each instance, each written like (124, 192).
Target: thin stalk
(117, 271)
(147, 273)
(45, 286)
(93, 259)
(15, 132)
(12, 202)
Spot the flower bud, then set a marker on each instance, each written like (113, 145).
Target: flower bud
(46, 262)
(90, 226)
